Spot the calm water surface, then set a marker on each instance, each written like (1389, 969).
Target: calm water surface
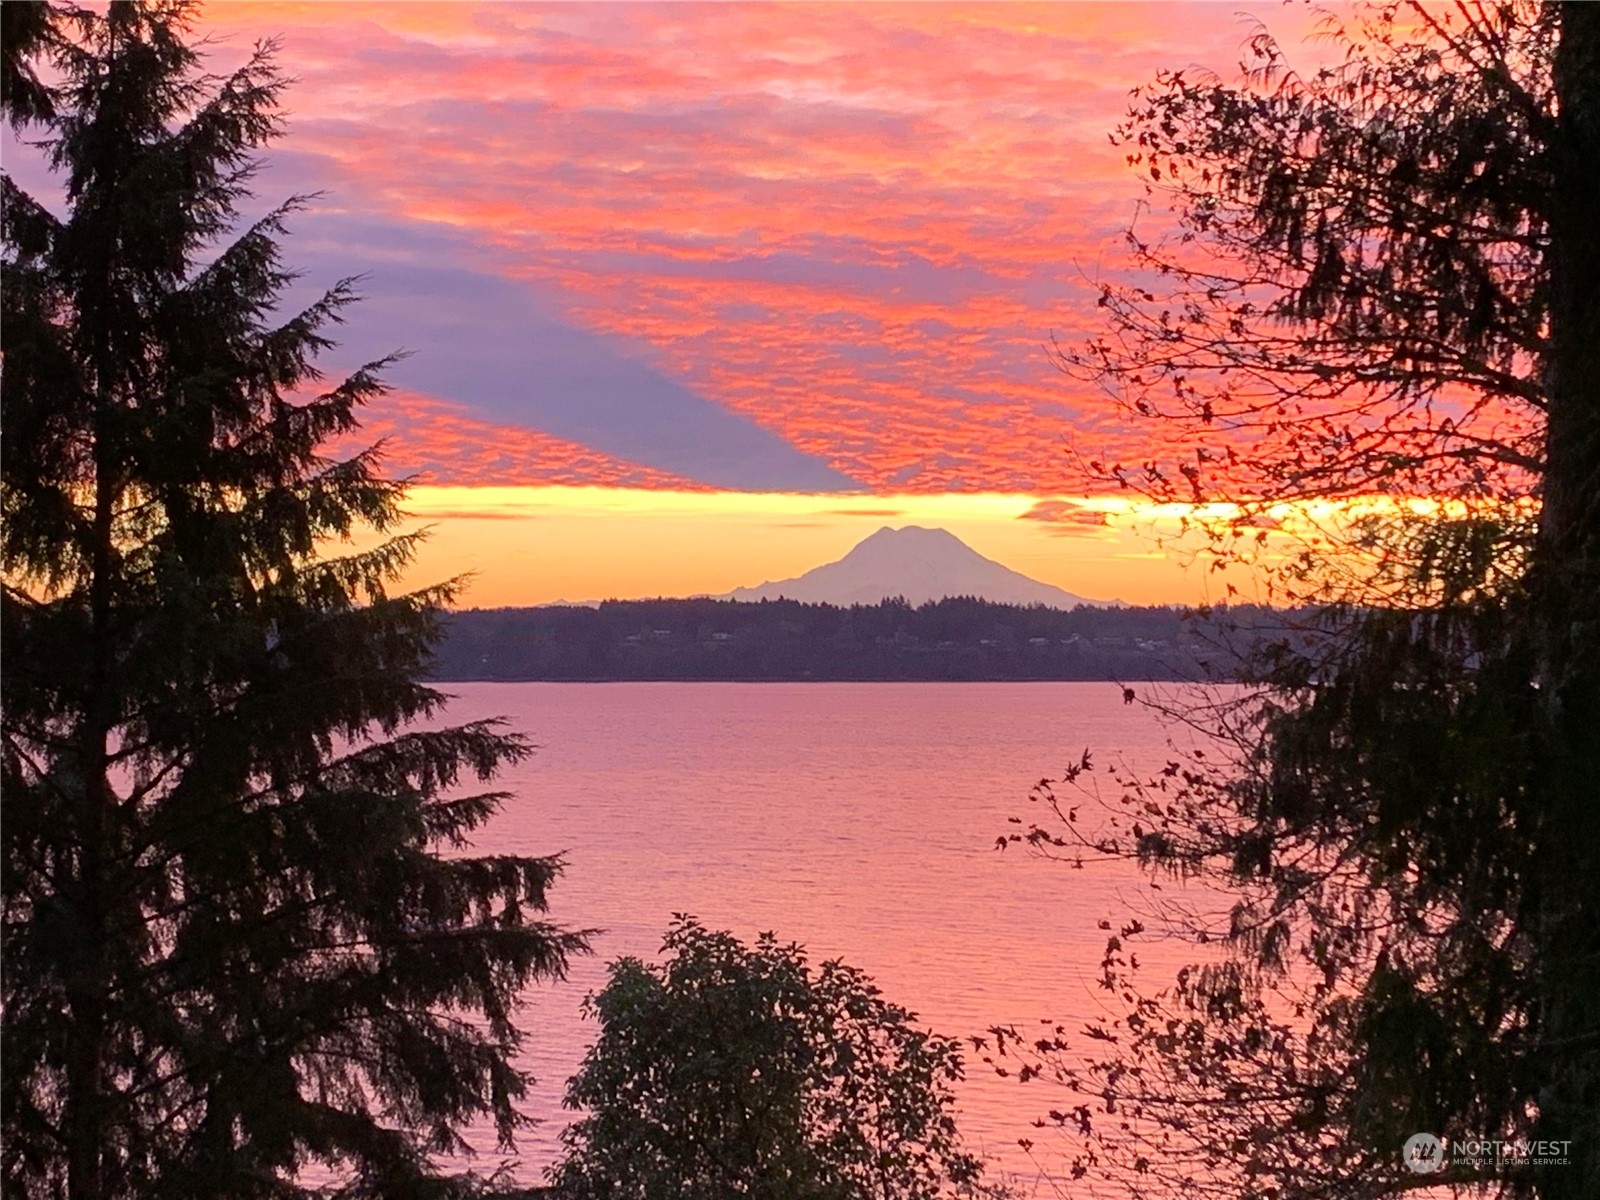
(857, 819)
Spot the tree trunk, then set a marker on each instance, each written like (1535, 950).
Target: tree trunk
(86, 1124)
(1568, 574)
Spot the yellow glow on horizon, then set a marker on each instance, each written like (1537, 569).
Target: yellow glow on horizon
(463, 502)
(543, 544)
(498, 503)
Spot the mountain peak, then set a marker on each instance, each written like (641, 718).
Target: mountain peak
(918, 563)
(911, 533)
(910, 537)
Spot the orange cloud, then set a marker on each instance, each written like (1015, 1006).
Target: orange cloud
(441, 441)
(858, 226)
(1065, 518)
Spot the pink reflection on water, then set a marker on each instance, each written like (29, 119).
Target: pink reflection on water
(857, 819)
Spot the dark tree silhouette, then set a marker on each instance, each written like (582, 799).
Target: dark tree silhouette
(734, 1070)
(1382, 280)
(26, 32)
(243, 935)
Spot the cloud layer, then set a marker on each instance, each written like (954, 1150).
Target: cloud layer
(797, 247)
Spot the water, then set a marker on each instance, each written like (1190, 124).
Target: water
(857, 819)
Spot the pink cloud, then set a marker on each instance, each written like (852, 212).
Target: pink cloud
(857, 226)
(440, 441)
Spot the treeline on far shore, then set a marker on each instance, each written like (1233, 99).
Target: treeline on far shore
(952, 639)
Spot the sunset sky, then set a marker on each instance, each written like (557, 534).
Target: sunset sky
(700, 295)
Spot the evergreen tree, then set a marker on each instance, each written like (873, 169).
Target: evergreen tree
(243, 935)
(1383, 281)
(26, 30)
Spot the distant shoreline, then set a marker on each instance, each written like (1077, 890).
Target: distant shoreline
(961, 640)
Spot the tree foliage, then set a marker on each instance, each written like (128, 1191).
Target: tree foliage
(734, 1070)
(243, 933)
(1352, 296)
(26, 32)
(1370, 289)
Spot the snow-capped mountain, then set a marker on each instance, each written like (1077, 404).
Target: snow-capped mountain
(919, 564)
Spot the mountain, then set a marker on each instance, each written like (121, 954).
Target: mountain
(919, 564)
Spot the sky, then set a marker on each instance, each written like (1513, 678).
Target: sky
(697, 296)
